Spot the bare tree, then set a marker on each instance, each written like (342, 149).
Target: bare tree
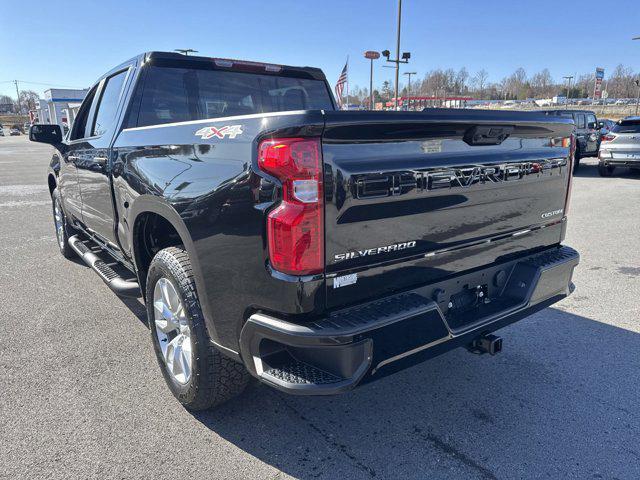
(542, 84)
(460, 82)
(621, 82)
(480, 80)
(28, 99)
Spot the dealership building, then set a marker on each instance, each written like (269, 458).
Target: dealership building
(59, 106)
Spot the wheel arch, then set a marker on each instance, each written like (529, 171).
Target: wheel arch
(151, 215)
(145, 208)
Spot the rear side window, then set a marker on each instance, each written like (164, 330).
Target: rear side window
(182, 94)
(579, 119)
(106, 115)
(627, 126)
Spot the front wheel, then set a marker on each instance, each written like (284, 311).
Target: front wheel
(197, 374)
(63, 230)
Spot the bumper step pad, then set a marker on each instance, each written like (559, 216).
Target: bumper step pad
(296, 372)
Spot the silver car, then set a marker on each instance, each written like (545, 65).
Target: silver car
(620, 147)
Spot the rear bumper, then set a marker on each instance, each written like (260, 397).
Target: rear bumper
(621, 162)
(368, 341)
(616, 159)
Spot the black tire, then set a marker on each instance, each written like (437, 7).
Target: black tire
(214, 377)
(63, 230)
(605, 170)
(576, 160)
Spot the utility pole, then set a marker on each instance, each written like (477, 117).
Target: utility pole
(18, 97)
(568, 78)
(398, 50)
(185, 51)
(405, 55)
(637, 82)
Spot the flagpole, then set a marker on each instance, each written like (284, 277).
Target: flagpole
(347, 82)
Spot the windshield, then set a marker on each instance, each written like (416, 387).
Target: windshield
(184, 94)
(627, 126)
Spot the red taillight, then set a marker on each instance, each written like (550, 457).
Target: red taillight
(295, 228)
(608, 137)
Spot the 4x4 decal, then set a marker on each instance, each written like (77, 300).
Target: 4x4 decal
(228, 130)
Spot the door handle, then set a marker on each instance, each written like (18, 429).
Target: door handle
(100, 160)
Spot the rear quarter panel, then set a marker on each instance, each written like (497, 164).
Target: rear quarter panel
(212, 192)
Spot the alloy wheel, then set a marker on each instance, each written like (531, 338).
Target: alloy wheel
(172, 330)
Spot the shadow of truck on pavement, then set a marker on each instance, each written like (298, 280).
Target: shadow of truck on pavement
(560, 401)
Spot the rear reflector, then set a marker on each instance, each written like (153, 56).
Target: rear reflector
(295, 228)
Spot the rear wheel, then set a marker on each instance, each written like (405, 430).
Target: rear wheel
(197, 374)
(605, 170)
(63, 230)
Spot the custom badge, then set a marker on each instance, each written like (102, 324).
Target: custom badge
(232, 131)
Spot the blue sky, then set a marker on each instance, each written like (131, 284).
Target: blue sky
(73, 42)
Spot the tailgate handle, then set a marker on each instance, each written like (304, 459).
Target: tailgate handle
(487, 134)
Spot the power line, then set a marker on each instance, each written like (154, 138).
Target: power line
(43, 84)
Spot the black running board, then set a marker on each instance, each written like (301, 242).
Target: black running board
(122, 287)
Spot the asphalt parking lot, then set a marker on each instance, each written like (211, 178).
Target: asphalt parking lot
(81, 395)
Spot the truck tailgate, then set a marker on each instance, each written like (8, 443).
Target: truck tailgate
(414, 197)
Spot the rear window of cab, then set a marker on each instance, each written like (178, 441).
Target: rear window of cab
(184, 94)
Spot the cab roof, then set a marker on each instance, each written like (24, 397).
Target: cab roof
(179, 60)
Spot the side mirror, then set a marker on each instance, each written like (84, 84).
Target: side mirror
(44, 133)
(600, 124)
(592, 125)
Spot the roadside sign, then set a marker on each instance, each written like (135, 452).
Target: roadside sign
(597, 89)
(371, 55)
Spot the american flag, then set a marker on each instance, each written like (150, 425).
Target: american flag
(342, 80)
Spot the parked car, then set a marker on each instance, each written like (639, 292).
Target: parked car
(26, 127)
(14, 131)
(1, 132)
(586, 131)
(273, 236)
(605, 126)
(620, 147)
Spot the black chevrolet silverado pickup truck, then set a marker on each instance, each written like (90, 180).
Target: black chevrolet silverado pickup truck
(272, 236)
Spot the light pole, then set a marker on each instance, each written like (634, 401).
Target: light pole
(408, 74)
(568, 78)
(405, 55)
(371, 55)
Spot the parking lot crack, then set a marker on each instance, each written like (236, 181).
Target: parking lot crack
(332, 442)
(454, 453)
